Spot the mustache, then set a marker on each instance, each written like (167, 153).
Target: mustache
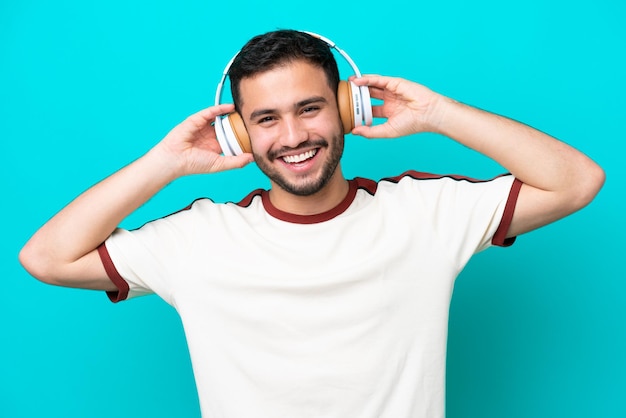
(319, 143)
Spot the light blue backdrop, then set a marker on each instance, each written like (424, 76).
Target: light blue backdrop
(536, 330)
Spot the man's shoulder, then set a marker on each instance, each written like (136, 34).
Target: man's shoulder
(411, 181)
(371, 186)
(249, 198)
(421, 175)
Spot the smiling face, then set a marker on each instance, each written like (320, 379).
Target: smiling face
(296, 134)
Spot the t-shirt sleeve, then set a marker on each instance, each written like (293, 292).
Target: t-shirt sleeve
(478, 214)
(499, 237)
(148, 260)
(117, 264)
(462, 216)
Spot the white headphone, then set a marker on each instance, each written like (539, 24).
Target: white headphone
(355, 108)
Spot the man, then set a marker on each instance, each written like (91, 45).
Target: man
(322, 297)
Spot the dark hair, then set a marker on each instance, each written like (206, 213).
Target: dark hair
(270, 50)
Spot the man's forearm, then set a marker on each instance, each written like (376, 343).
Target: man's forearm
(558, 179)
(535, 158)
(86, 222)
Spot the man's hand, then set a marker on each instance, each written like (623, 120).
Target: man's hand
(408, 107)
(192, 147)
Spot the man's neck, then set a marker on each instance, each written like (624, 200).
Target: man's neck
(324, 200)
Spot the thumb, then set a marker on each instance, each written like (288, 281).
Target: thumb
(236, 161)
(376, 131)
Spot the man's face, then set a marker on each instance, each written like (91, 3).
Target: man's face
(295, 130)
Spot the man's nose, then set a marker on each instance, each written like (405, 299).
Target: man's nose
(294, 132)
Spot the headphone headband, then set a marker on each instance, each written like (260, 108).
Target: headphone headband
(331, 44)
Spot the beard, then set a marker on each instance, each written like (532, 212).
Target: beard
(304, 185)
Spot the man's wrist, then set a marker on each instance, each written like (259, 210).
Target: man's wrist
(439, 114)
(164, 164)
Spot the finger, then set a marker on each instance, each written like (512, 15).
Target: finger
(375, 92)
(204, 118)
(210, 113)
(371, 80)
(377, 112)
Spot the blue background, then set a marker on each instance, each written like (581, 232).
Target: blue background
(536, 330)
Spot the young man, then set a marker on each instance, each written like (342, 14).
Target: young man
(322, 297)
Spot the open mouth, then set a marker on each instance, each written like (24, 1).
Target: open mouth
(299, 158)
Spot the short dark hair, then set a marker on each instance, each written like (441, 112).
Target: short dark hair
(270, 50)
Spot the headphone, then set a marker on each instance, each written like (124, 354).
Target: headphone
(355, 108)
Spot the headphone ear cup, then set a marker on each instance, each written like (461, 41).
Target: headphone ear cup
(239, 132)
(344, 101)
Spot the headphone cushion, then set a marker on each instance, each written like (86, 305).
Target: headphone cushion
(344, 101)
(240, 132)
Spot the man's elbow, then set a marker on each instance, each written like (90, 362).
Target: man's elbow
(37, 264)
(589, 185)
(45, 265)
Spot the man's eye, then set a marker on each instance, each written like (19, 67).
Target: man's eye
(310, 109)
(265, 119)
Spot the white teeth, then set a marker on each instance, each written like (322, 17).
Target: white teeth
(293, 159)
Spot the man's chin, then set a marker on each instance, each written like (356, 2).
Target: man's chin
(303, 188)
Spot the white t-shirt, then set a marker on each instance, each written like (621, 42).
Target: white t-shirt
(341, 314)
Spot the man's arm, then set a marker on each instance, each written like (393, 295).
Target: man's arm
(558, 179)
(64, 251)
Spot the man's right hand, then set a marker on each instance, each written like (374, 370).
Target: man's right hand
(192, 146)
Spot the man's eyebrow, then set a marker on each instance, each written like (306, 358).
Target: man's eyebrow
(261, 112)
(305, 102)
(310, 100)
